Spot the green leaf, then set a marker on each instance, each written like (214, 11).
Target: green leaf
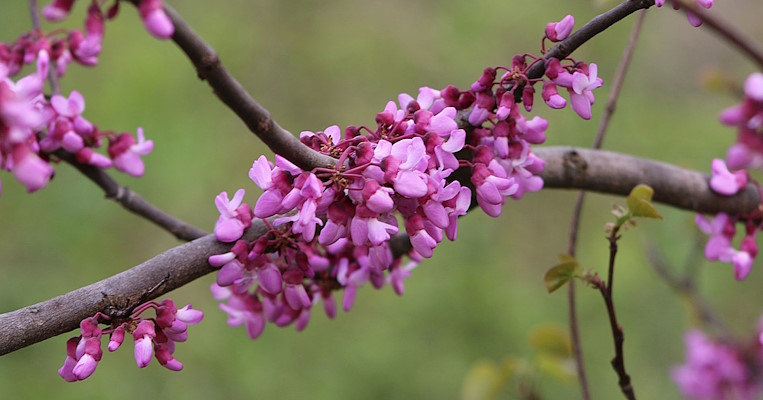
(484, 381)
(560, 369)
(640, 202)
(561, 273)
(551, 340)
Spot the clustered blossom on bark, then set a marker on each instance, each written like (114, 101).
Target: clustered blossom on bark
(332, 226)
(694, 20)
(730, 176)
(719, 370)
(153, 338)
(33, 126)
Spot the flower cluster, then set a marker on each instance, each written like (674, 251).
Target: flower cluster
(331, 228)
(33, 127)
(722, 229)
(730, 176)
(715, 370)
(156, 21)
(694, 20)
(153, 337)
(747, 117)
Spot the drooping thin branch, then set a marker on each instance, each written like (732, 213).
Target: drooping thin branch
(685, 284)
(577, 351)
(229, 91)
(133, 201)
(609, 110)
(565, 168)
(724, 30)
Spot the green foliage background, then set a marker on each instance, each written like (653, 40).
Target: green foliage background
(314, 64)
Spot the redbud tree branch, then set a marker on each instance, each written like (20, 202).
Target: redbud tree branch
(230, 92)
(566, 167)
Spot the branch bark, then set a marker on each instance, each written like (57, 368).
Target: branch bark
(566, 167)
(229, 91)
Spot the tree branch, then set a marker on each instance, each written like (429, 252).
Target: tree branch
(566, 167)
(614, 173)
(229, 91)
(133, 201)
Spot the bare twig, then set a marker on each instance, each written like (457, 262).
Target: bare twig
(618, 363)
(187, 262)
(133, 201)
(725, 30)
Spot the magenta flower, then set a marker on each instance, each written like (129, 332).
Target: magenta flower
(725, 182)
(156, 21)
(234, 217)
(30, 169)
(125, 153)
(713, 370)
(144, 336)
(558, 31)
(581, 95)
(58, 10)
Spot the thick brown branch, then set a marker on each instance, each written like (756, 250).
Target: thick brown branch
(614, 173)
(229, 91)
(132, 201)
(566, 167)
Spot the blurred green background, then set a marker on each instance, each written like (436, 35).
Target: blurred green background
(314, 64)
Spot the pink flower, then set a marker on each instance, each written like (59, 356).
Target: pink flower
(156, 21)
(29, 169)
(725, 182)
(144, 336)
(234, 217)
(125, 153)
(581, 95)
(58, 10)
(558, 31)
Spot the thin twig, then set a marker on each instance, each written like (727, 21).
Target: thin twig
(133, 201)
(725, 30)
(577, 350)
(617, 82)
(609, 110)
(34, 14)
(686, 285)
(618, 363)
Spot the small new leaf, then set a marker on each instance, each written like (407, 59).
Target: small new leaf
(561, 273)
(640, 202)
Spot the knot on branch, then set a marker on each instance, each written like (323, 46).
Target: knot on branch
(208, 62)
(265, 124)
(575, 166)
